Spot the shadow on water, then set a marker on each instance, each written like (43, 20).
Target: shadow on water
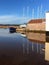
(47, 36)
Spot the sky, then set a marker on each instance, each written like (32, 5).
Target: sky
(21, 11)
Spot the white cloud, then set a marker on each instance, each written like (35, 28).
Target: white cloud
(12, 18)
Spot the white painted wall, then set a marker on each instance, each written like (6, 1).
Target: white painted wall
(47, 21)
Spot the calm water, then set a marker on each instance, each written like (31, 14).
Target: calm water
(17, 49)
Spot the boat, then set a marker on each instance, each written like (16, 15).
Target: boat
(12, 29)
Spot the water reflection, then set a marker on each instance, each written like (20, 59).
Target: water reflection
(18, 49)
(47, 51)
(39, 46)
(38, 40)
(40, 37)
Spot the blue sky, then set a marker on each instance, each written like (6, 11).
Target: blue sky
(21, 11)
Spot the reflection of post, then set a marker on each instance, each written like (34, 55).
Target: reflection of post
(23, 46)
(23, 49)
(47, 51)
(40, 49)
(27, 47)
(37, 47)
(32, 47)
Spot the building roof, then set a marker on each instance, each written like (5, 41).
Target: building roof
(36, 21)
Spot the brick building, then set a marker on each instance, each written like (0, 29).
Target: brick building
(36, 24)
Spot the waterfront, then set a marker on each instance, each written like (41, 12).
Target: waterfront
(18, 49)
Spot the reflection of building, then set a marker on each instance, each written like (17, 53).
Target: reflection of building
(34, 47)
(36, 24)
(47, 51)
(38, 37)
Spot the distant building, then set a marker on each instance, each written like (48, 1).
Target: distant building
(23, 26)
(36, 24)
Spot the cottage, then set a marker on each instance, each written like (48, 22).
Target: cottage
(36, 24)
(23, 26)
